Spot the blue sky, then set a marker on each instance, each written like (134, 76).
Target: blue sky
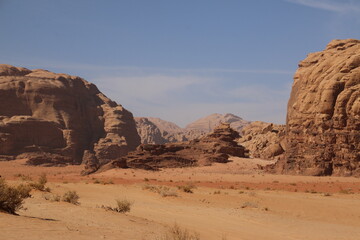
(178, 60)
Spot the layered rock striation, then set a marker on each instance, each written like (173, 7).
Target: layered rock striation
(214, 147)
(323, 117)
(53, 118)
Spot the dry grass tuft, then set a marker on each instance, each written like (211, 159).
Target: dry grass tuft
(122, 206)
(40, 184)
(178, 233)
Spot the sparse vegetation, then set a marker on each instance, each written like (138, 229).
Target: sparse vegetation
(178, 233)
(11, 198)
(71, 197)
(162, 190)
(52, 197)
(187, 188)
(23, 177)
(249, 205)
(40, 184)
(122, 206)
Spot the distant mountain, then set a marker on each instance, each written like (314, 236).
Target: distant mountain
(158, 131)
(208, 123)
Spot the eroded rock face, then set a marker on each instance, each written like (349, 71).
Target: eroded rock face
(264, 140)
(58, 117)
(323, 118)
(158, 131)
(215, 147)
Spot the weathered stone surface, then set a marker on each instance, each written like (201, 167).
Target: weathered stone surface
(53, 118)
(158, 131)
(264, 140)
(323, 118)
(215, 147)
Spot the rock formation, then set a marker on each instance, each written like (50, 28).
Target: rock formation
(264, 140)
(323, 118)
(53, 118)
(208, 123)
(158, 131)
(215, 147)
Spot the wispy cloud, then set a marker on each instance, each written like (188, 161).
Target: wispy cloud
(338, 6)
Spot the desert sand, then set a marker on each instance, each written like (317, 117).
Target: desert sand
(230, 201)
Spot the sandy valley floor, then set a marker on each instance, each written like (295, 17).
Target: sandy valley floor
(231, 201)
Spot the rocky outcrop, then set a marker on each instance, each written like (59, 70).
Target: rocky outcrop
(323, 118)
(215, 147)
(264, 140)
(158, 131)
(53, 118)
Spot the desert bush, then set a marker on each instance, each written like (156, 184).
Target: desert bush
(122, 206)
(178, 233)
(11, 198)
(162, 190)
(71, 197)
(187, 188)
(40, 184)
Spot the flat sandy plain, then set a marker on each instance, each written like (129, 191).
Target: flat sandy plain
(230, 201)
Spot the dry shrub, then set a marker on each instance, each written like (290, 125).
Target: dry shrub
(162, 190)
(52, 197)
(71, 197)
(11, 198)
(178, 233)
(187, 188)
(40, 184)
(123, 206)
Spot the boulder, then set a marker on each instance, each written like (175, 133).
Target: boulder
(263, 140)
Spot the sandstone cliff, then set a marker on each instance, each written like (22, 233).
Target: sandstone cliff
(53, 118)
(323, 118)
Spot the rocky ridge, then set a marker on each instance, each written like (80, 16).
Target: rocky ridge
(54, 118)
(214, 147)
